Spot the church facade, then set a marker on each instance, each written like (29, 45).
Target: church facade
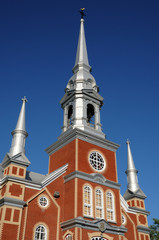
(79, 198)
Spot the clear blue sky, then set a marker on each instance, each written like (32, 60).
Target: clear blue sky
(38, 41)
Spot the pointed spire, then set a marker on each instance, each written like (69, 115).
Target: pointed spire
(133, 189)
(131, 172)
(19, 134)
(81, 55)
(21, 120)
(81, 69)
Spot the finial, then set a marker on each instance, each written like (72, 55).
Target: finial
(127, 141)
(24, 99)
(82, 13)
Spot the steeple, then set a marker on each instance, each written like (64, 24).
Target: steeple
(81, 55)
(82, 102)
(19, 134)
(133, 186)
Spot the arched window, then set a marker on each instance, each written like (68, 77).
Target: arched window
(40, 233)
(110, 207)
(70, 113)
(87, 200)
(90, 115)
(99, 204)
(68, 237)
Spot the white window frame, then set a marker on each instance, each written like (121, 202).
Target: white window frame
(43, 201)
(94, 159)
(36, 231)
(99, 193)
(68, 237)
(112, 209)
(87, 191)
(123, 219)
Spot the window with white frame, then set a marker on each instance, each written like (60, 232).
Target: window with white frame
(43, 201)
(97, 161)
(123, 219)
(87, 200)
(40, 233)
(99, 203)
(68, 237)
(110, 207)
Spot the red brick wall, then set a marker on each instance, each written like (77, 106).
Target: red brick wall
(9, 232)
(67, 155)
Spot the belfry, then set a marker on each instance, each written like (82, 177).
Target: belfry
(82, 102)
(79, 198)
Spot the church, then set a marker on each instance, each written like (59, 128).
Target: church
(79, 198)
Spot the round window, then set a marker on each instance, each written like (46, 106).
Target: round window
(97, 161)
(43, 201)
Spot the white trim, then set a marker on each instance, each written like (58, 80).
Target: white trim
(96, 160)
(43, 201)
(112, 209)
(42, 226)
(100, 208)
(126, 206)
(88, 191)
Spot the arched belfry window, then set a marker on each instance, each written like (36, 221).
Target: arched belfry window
(90, 115)
(70, 114)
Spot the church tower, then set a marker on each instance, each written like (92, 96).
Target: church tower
(92, 192)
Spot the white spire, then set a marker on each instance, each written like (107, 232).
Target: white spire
(131, 172)
(81, 68)
(19, 134)
(81, 55)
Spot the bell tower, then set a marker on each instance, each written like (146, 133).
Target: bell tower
(82, 102)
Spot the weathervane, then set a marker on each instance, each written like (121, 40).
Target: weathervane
(82, 13)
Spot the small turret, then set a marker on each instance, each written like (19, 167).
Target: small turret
(19, 134)
(15, 162)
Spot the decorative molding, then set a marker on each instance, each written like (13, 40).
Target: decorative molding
(95, 178)
(12, 202)
(72, 134)
(138, 210)
(92, 225)
(143, 229)
(18, 159)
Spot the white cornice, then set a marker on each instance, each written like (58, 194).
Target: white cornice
(70, 135)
